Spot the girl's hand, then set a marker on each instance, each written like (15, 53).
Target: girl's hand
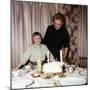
(15, 69)
(49, 61)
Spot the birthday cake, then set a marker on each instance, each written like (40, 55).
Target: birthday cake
(52, 67)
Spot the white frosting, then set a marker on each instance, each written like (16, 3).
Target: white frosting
(52, 67)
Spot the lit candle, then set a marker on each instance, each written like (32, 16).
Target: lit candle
(39, 65)
(61, 58)
(48, 56)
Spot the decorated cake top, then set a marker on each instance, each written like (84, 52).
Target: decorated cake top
(52, 67)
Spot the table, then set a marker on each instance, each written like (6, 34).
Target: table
(53, 82)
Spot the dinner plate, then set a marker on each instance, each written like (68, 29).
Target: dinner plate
(22, 82)
(83, 73)
(70, 81)
(19, 72)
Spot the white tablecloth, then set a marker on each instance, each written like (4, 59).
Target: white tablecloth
(40, 82)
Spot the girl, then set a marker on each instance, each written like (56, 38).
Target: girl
(36, 52)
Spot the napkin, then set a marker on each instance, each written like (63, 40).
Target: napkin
(69, 81)
(22, 82)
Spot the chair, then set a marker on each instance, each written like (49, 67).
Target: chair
(83, 61)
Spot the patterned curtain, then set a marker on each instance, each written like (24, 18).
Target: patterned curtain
(28, 17)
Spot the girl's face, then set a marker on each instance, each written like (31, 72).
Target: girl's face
(37, 39)
(58, 24)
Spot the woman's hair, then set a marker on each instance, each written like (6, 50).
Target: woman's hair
(59, 16)
(36, 34)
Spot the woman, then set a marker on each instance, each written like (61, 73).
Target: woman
(57, 37)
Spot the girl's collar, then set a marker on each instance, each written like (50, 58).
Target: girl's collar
(37, 45)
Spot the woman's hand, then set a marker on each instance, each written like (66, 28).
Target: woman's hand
(65, 59)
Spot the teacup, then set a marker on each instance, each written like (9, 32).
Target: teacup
(70, 69)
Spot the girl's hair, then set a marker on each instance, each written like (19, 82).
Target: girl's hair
(59, 16)
(36, 34)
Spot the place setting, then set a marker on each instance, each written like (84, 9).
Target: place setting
(54, 73)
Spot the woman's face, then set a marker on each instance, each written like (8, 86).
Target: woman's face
(58, 24)
(37, 39)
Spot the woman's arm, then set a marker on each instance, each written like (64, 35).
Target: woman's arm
(66, 44)
(65, 53)
(48, 54)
